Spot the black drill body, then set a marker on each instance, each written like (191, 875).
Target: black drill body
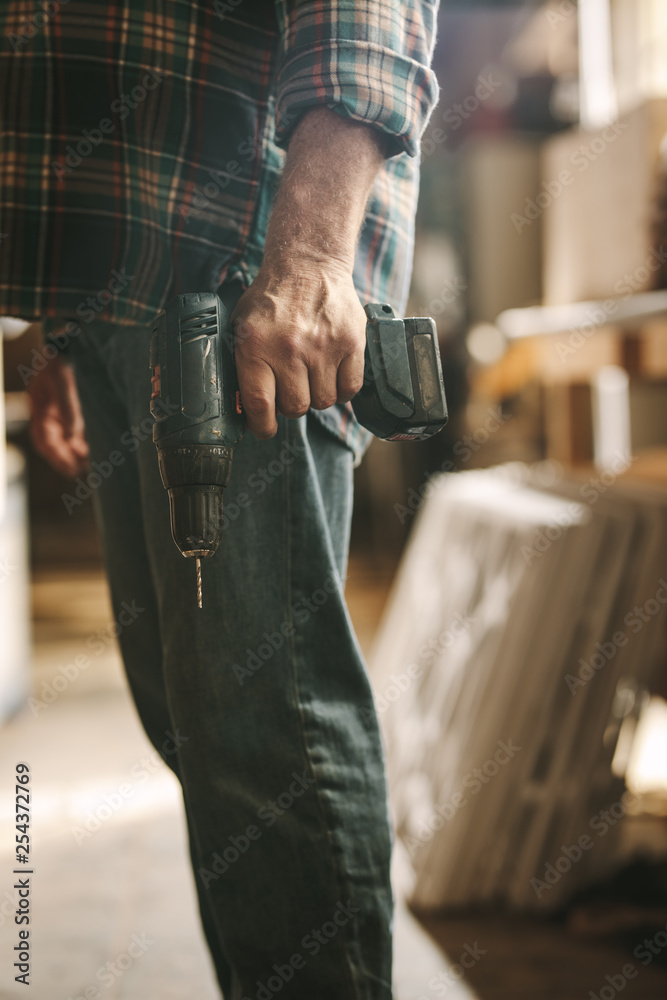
(199, 417)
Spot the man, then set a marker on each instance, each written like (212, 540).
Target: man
(142, 145)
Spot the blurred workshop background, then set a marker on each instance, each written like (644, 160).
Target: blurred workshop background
(508, 578)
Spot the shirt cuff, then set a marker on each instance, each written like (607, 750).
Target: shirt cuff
(362, 81)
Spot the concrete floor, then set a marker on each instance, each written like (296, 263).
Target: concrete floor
(92, 893)
(129, 881)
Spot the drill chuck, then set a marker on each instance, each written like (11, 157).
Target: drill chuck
(195, 507)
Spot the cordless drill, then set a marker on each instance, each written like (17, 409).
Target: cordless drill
(199, 414)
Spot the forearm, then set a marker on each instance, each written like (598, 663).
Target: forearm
(319, 209)
(300, 328)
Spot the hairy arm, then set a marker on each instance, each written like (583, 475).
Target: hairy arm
(300, 328)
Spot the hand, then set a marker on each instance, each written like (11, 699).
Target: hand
(56, 424)
(300, 330)
(299, 336)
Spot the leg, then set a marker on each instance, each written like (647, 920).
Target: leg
(283, 780)
(118, 502)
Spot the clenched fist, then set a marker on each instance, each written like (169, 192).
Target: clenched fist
(299, 335)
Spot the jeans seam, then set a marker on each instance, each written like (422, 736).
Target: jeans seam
(335, 868)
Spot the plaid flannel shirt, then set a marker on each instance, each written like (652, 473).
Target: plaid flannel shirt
(141, 144)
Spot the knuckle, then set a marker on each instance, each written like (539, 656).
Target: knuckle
(296, 408)
(291, 346)
(349, 341)
(246, 331)
(324, 402)
(350, 385)
(258, 402)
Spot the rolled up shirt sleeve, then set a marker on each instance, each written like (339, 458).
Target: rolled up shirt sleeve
(369, 60)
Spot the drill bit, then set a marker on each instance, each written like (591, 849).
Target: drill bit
(199, 602)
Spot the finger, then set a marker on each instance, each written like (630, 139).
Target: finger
(257, 385)
(50, 442)
(76, 439)
(350, 376)
(323, 391)
(70, 418)
(79, 446)
(293, 390)
(70, 406)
